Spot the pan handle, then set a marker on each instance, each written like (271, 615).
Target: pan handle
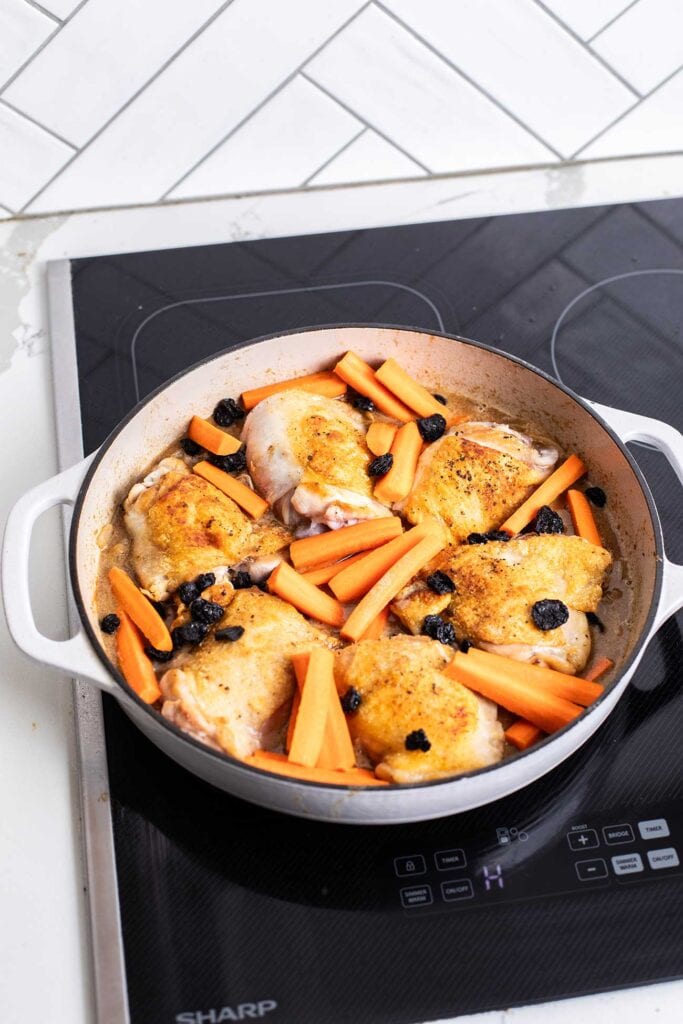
(75, 655)
(632, 427)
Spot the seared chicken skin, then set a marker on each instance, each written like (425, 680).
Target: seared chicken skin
(235, 696)
(181, 525)
(496, 585)
(475, 476)
(307, 455)
(403, 689)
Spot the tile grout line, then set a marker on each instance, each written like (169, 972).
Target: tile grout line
(611, 21)
(128, 102)
(334, 156)
(630, 110)
(259, 106)
(32, 120)
(492, 99)
(48, 14)
(591, 53)
(58, 28)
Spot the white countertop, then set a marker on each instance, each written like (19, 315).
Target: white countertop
(44, 949)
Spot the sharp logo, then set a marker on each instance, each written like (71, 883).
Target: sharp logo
(243, 1011)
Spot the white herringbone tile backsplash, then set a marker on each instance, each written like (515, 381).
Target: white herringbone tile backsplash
(118, 102)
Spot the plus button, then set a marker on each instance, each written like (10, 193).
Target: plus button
(586, 839)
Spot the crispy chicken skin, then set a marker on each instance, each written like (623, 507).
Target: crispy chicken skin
(181, 525)
(496, 585)
(475, 476)
(307, 455)
(403, 689)
(236, 696)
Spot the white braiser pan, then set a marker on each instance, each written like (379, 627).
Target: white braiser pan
(98, 484)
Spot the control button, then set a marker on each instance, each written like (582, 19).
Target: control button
(450, 860)
(656, 828)
(458, 890)
(663, 858)
(410, 865)
(585, 840)
(416, 896)
(590, 870)
(627, 864)
(615, 834)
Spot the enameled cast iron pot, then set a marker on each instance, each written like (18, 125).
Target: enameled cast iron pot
(652, 587)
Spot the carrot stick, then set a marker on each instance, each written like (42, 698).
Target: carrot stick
(296, 701)
(582, 517)
(573, 688)
(309, 729)
(247, 499)
(350, 583)
(601, 666)
(563, 477)
(325, 573)
(362, 377)
(212, 438)
(380, 436)
(376, 628)
(324, 383)
(337, 749)
(546, 710)
(307, 598)
(141, 610)
(269, 761)
(406, 448)
(311, 552)
(135, 665)
(523, 734)
(414, 395)
(389, 585)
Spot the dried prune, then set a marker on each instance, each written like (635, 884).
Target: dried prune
(547, 521)
(230, 633)
(351, 701)
(439, 583)
(227, 411)
(431, 427)
(206, 611)
(596, 496)
(110, 623)
(549, 614)
(437, 628)
(381, 465)
(417, 740)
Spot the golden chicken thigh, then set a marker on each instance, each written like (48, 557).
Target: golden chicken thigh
(181, 525)
(235, 696)
(475, 476)
(307, 455)
(403, 690)
(496, 586)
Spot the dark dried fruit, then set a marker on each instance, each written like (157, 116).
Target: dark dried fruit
(227, 411)
(595, 621)
(437, 628)
(110, 623)
(235, 463)
(439, 583)
(351, 701)
(187, 592)
(156, 655)
(206, 611)
(190, 447)
(596, 496)
(204, 580)
(465, 646)
(549, 614)
(230, 633)
(160, 608)
(547, 521)
(240, 580)
(431, 427)
(477, 538)
(417, 740)
(381, 465)
(190, 633)
(361, 402)
(440, 399)
(498, 535)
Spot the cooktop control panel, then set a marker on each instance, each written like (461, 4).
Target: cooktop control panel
(521, 863)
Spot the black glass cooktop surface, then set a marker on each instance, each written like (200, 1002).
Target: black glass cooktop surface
(573, 885)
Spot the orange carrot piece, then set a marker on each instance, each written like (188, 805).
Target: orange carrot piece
(350, 583)
(523, 734)
(311, 552)
(573, 688)
(249, 500)
(558, 482)
(296, 701)
(212, 438)
(307, 598)
(324, 383)
(582, 517)
(337, 749)
(601, 666)
(546, 710)
(135, 666)
(140, 608)
(376, 628)
(389, 585)
(380, 436)
(361, 377)
(309, 729)
(397, 483)
(325, 573)
(269, 761)
(412, 394)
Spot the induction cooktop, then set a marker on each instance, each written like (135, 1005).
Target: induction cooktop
(573, 885)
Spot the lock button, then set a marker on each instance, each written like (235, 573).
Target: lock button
(410, 866)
